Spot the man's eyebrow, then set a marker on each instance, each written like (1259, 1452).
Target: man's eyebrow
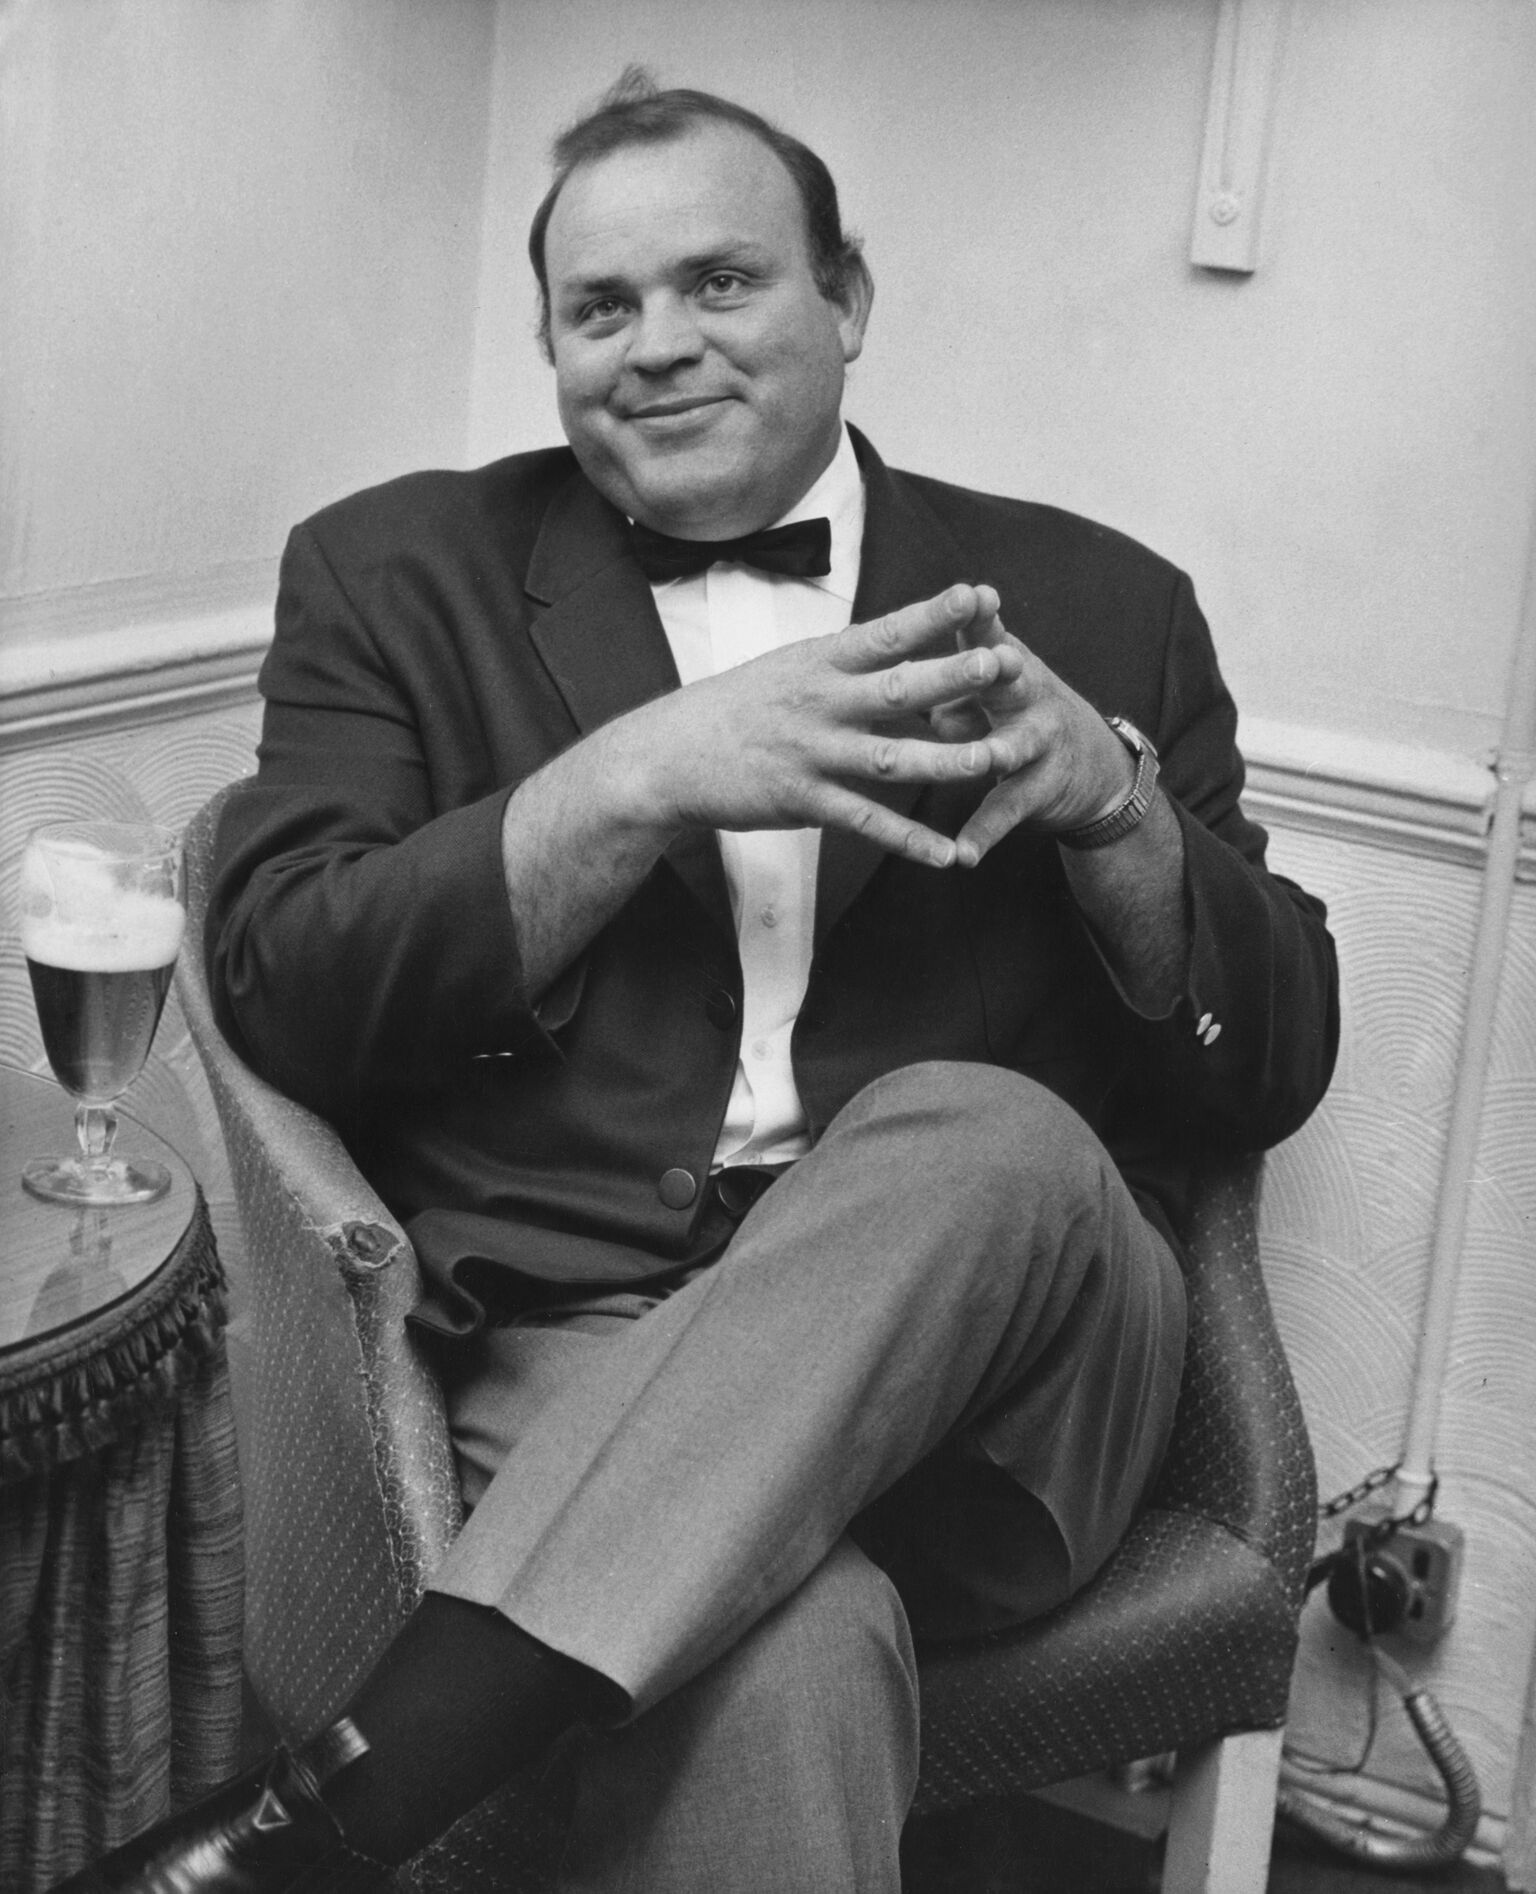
(584, 286)
(742, 255)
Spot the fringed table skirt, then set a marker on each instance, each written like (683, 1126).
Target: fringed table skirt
(121, 1571)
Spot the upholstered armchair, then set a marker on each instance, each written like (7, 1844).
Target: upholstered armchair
(1184, 1642)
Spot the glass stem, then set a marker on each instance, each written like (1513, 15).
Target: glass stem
(95, 1129)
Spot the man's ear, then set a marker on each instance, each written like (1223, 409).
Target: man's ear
(853, 302)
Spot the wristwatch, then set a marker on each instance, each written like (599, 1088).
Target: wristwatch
(1125, 815)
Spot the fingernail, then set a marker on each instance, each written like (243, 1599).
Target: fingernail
(942, 854)
(967, 854)
(975, 758)
(978, 667)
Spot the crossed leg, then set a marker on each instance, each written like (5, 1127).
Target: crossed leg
(950, 1327)
(788, 1764)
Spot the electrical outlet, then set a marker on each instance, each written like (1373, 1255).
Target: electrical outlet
(1411, 1577)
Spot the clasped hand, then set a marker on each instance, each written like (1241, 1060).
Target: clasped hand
(937, 692)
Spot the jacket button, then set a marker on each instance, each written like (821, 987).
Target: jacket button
(720, 1008)
(677, 1188)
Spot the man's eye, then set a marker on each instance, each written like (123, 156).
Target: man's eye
(723, 283)
(604, 309)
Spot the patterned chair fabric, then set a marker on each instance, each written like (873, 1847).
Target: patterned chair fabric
(1187, 1635)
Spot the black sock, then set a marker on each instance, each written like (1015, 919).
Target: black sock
(458, 1701)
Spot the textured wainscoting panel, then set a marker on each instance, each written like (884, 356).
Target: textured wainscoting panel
(160, 773)
(1348, 1231)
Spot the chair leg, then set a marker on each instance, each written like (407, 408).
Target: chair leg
(1223, 1816)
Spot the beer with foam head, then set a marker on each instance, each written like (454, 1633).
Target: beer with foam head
(99, 950)
(99, 993)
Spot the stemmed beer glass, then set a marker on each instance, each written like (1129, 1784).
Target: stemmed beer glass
(101, 925)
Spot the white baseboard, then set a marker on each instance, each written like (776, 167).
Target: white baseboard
(1388, 1809)
(1381, 1806)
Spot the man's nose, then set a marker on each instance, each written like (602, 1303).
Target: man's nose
(665, 334)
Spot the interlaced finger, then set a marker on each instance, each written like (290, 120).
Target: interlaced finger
(928, 625)
(841, 808)
(1019, 744)
(903, 759)
(1001, 811)
(918, 685)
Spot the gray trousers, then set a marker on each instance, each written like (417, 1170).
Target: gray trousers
(925, 1389)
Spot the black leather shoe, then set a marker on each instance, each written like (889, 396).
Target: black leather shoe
(264, 1833)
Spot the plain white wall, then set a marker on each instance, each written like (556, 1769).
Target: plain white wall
(240, 250)
(1340, 448)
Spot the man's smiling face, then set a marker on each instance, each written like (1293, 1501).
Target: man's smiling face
(699, 369)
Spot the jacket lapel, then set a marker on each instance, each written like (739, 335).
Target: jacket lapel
(908, 555)
(603, 646)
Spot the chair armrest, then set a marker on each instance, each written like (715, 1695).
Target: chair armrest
(1239, 1454)
(351, 1491)
(1189, 1631)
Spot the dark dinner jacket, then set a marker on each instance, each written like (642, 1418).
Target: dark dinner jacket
(441, 637)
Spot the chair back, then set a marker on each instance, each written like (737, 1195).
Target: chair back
(1239, 1454)
(350, 1489)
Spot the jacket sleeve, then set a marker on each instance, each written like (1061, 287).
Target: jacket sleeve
(1247, 1052)
(357, 938)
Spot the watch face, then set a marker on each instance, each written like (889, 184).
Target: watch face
(1130, 736)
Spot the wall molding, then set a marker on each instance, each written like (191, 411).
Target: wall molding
(118, 656)
(57, 617)
(1393, 796)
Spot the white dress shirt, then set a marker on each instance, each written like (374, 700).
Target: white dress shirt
(727, 615)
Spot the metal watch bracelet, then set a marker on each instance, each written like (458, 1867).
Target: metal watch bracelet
(1127, 814)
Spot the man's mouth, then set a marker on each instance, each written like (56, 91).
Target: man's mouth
(677, 405)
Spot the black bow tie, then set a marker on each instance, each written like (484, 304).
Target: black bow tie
(802, 550)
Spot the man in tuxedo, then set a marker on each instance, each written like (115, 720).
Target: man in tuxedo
(779, 932)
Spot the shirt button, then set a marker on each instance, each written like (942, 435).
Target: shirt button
(1202, 1025)
(760, 1048)
(769, 916)
(1213, 1035)
(677, 1188)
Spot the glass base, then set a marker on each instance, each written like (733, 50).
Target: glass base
(123, 1180)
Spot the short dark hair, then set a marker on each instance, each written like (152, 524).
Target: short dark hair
(636, 111)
